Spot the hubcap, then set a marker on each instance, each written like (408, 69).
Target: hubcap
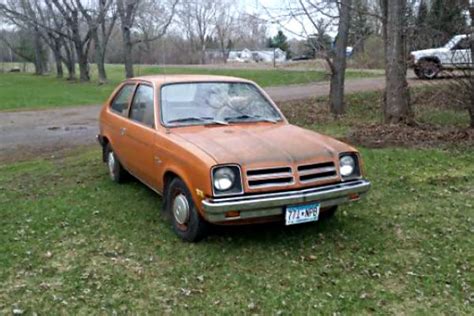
(111, 164)
(181, 209)
(430, 71)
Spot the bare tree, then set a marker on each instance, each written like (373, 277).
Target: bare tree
(101, 20)
(471, 107)
(338, 64)
(152, 23)
(225, 22)
(461, 87)
(396, 105)
(79, 36)
(22, 16)
(60, 41)
(197, 17)
(251, 31)
(322, 16)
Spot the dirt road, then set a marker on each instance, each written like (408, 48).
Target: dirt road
(31, 132)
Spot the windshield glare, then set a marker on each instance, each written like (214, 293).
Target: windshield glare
(214, 102)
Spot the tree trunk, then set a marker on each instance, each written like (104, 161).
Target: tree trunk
(223, 51)
(83, 64)
(338, 69)
(99, 57)
(59, 66)
(58, 58)
(203, 54)
(127, 52)
(81, 55)
(471, 109)
(38, 50)
(70, 61)
(396, 105)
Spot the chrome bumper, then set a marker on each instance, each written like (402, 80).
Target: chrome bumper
(271, 204)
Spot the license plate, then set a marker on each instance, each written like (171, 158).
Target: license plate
(305, 213)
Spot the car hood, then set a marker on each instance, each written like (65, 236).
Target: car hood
(429, 52)
(259, 144)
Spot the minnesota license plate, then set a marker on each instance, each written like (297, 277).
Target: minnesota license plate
(298, 214)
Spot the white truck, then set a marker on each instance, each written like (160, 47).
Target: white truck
(456, 54)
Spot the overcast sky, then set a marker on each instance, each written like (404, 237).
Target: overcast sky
(272, 10)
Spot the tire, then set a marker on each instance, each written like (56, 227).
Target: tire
(187, 223)
(116, 171)
(428, 70)
(328, 213)
(417, 72)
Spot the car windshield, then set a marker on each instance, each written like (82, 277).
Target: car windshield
(452, 42)
(214, 103)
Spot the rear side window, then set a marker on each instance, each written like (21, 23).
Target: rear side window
(463, 44)
(122, 99)
(142, 109)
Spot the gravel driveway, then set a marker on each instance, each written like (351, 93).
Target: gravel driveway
(46, 131)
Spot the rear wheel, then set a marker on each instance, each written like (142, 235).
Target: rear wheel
(187, 223)
(427, 70)
(116, 172)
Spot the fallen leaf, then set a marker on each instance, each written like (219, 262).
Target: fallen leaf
(252, 306)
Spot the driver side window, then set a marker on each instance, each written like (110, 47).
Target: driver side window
(142, 109)
(463, 44)
(122, 99)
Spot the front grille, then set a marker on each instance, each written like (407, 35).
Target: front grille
(316, 172)
(269, 177)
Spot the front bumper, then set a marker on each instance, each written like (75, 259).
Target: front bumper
(273, 204)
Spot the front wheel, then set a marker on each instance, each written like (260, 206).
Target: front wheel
(187, 223)
(427, 70)
(116, 171)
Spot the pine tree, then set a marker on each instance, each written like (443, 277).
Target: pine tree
(279, 41)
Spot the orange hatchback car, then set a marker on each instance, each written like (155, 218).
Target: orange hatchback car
(220, 151)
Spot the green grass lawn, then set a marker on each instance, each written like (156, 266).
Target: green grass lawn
(25, 91)
(73, 242)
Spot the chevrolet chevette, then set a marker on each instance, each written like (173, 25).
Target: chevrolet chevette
(219, 151)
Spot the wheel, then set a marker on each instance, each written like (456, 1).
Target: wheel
(187, 223)
(116, 171)
(428, 70)
(328, 213)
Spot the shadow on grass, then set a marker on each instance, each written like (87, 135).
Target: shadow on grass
(245, 234)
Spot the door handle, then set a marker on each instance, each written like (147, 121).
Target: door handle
(122, 131)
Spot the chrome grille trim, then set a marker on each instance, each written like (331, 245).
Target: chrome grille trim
(316, 172)
(269, 177)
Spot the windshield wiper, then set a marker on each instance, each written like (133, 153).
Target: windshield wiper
(207, 120)
(245, 117)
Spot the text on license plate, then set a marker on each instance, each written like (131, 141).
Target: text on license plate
(304, 213)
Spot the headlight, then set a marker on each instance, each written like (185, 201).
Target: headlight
(226, 180)
(349, 166)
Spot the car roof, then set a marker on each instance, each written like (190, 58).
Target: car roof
(182, 78)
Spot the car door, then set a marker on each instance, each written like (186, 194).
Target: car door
(140, 135)
(118, 120)
(462, 53)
